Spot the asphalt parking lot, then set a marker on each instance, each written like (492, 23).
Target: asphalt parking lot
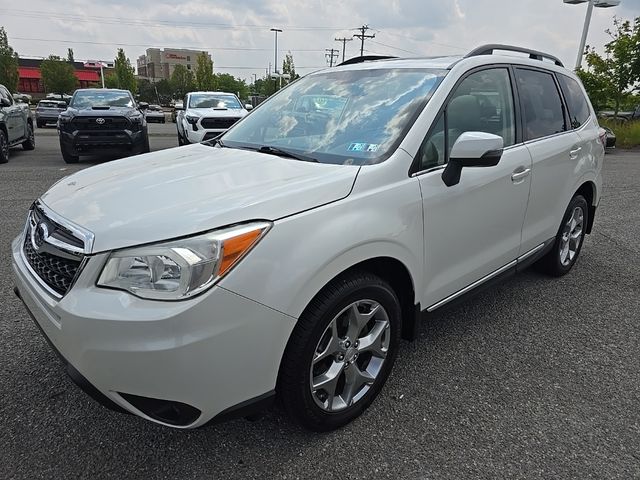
(539, 378)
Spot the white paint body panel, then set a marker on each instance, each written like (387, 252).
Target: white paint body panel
(473, 228)
(191, 189)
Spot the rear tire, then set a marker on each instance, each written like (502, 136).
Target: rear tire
(4, 147)
(569, 239)
(30, 142)
(340, 352)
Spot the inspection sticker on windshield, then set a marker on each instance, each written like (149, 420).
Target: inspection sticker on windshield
(363, 147)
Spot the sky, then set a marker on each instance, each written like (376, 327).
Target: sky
(237, 32)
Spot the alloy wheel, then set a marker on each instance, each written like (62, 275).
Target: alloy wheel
(350, 355)
(571, 236)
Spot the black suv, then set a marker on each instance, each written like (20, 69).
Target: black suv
(102, 121)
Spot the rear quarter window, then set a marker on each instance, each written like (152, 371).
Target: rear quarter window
(578, 107)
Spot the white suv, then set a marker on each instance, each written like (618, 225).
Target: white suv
(287, 258)
(205, 115)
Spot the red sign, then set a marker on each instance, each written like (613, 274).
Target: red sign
(174, 56)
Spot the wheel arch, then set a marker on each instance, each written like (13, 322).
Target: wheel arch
(396, 273)
(589, 192)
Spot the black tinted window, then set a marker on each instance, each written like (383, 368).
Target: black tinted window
(576, 103)
(541, 104)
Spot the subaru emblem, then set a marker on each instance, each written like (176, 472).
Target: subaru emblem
(39, 235)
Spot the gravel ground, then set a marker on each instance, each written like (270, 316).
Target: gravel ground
(538, 378)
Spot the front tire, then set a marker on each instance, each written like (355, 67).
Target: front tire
(68, 157)
(30, 142)
(568, 241)
(340, 352)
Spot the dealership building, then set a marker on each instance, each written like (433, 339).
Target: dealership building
(30, 78)
(159, 64)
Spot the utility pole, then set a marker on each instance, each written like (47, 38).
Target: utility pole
(362, 36)
(331, 54)
(344, 44)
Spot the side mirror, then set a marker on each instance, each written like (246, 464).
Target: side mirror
(4, 102)
(248, 106)
(472, 149)
(143, 105)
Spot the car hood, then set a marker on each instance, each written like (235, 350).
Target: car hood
(187, 190)
(217, 112)
(102, 112)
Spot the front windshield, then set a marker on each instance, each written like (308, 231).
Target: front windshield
(210, 100)
(344, 117)
(106, 98)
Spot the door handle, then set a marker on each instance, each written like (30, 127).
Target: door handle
(520, 175)
(573, 154)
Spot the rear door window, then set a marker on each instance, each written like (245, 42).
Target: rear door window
(542, 106)
(576, 103)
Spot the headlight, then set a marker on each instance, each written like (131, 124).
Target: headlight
(136, 118)
(192, 119)
(179, 269)
(64, 119)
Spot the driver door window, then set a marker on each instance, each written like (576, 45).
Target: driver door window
(482, 102)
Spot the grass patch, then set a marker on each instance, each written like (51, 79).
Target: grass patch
(627, 133)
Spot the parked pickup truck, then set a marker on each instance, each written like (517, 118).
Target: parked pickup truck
(633, 115)
(16, 125)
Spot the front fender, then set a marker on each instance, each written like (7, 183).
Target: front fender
(303, 253)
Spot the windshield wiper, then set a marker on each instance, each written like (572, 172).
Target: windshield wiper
(285, 153)
(216, 141)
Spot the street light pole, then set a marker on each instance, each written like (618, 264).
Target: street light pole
(585, 31)
(275, 66)
(587, 21)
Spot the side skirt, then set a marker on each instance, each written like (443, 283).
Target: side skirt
(494, 278)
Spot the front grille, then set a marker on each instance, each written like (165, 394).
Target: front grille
(218, 123)
(91, 123)
(54, 265)
(57, 272)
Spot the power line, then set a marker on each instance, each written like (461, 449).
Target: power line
(395, 48)
(362, 36)
(331, 54)
(344, 44)
(110, 44)
(153, 23)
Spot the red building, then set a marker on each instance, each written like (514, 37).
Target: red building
(30, 79)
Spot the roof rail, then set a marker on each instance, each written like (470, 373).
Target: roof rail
(533, 54)
(365, 58)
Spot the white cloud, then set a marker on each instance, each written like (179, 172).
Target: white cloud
(424, 27)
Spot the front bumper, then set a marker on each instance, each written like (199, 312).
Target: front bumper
(202, 135)
(82, 142)
(211, 353)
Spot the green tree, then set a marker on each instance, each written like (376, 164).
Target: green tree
(612, 77)
(58, 75)
(289, 67)
(204, 72)
(182, 81)
(146, 91)
(8, 63)
(70, 55)
(226, 82)
(123, 75)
